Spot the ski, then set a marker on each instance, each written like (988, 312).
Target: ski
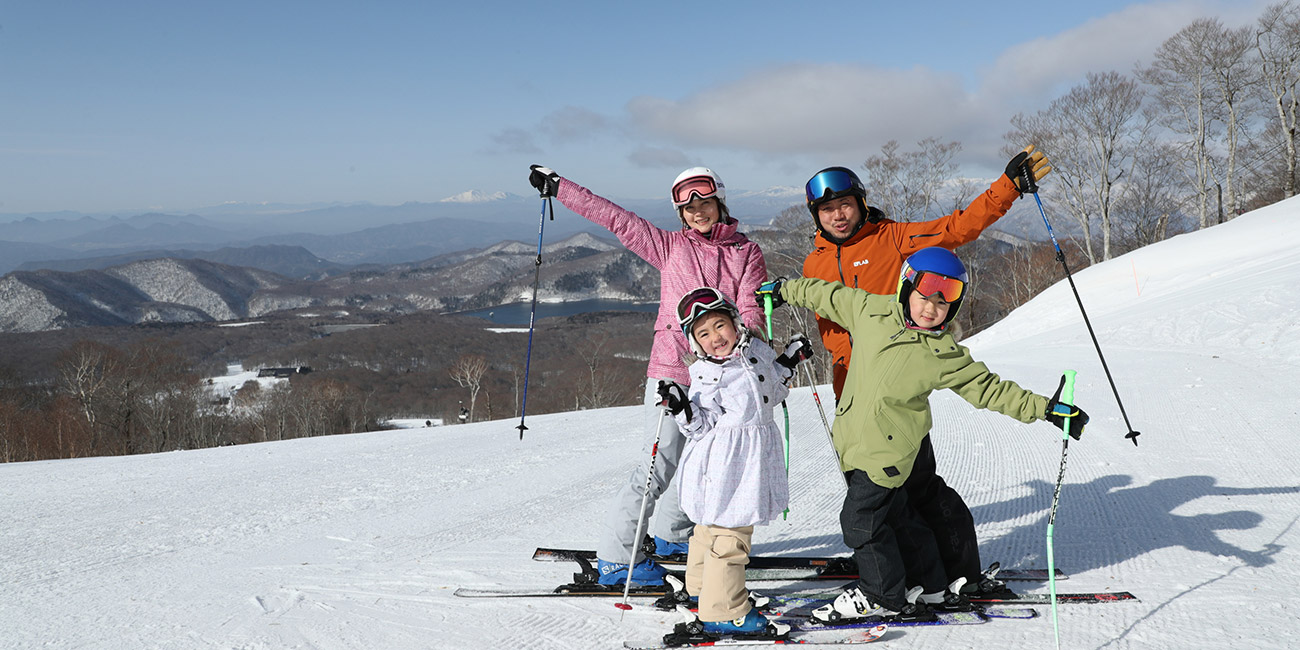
(796, 609)
(1046, 599)
(563, 591)
(811, 637)
(786, 602)
(780, 567)
(803, 623)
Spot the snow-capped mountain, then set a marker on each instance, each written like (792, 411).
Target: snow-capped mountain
(479, 196)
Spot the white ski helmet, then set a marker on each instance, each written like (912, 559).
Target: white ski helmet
(703, 300)
(701, 182)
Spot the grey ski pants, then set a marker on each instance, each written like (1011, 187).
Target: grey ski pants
(619, 529)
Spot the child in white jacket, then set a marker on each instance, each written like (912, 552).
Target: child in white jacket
(732, 473)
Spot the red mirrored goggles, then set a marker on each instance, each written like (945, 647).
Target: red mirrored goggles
(701, 186)
(928, 284)
(697, 302)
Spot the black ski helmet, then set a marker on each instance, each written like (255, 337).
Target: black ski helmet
(836, 182)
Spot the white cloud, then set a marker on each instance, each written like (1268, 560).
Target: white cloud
(512, 140)
(802, 108)
(1040, 69)
(575, 124)
(828, 110)
(655, 157)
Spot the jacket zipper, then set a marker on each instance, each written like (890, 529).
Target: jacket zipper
(839, 265)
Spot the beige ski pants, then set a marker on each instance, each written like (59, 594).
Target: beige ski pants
(715, 571)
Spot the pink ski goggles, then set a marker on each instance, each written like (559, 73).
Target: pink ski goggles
(701, 186)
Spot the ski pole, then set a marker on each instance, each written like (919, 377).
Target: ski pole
(767, 310)
(640, 522)
(532, 315)
(825, 424)
(1067, 397)
(1060, 257)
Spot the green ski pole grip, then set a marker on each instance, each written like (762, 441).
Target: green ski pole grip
(1067, 397)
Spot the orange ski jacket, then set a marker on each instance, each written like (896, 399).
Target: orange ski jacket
(873, 257)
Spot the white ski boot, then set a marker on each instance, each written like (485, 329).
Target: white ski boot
(950, 600)
(851, 606)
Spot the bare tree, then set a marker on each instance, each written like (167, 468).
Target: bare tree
(597, 390)
(1184, 85)
(907, 184)
(86, 373)
(468, 372)
(1235, 77)
(1093, 133)
(1150, 200)
(1277, 40)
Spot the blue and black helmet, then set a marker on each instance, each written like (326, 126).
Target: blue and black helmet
(933, 270)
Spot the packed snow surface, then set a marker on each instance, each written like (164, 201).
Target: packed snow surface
(359, 541)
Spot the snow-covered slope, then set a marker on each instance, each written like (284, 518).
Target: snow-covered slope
(359, 541)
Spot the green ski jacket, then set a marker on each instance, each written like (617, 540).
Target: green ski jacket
(884, 413)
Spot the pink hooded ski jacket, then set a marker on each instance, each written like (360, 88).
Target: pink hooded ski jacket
(724, 259)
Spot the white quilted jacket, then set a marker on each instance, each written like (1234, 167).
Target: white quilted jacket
(732, 472)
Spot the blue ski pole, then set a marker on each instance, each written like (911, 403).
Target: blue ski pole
(537, 276)
(1027, 180)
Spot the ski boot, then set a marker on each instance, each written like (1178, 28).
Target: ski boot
(914, 610)
(646, 573)
(670, 551)
(753, 626)
(950, 600)
(677, 596)
(988, 586)
(852, 606)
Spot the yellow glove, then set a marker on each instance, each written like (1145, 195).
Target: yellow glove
(1027, 168)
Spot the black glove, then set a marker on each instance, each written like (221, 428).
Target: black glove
(1058, 414)
(546, 181)
(798, 349)
(773, 289)
(1027, 168)
(674, 398)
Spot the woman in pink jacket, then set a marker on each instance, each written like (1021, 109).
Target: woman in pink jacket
(707, 251)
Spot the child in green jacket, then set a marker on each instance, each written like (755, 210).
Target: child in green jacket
(902, 352)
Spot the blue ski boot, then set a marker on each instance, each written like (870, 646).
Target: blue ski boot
(750, 625)
(677, 596)
(645, 574)
(671, 550)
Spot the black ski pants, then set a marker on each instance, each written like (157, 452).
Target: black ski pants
(890, 542)
(944, 511)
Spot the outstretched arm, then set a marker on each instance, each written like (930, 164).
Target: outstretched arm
(830, 300)
(643, 238)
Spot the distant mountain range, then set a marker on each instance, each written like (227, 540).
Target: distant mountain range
(342, 233)
(191, 290)
(468, 252)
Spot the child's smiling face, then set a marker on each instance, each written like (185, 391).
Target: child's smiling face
(716, 333)
(927, 313)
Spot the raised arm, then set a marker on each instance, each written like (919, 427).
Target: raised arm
(649, 242)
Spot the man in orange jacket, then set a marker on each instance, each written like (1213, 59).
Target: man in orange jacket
(858, 246)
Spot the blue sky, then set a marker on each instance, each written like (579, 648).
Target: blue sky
(128, 106)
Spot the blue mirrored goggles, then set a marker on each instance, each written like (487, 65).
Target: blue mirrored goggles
(833, 181)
